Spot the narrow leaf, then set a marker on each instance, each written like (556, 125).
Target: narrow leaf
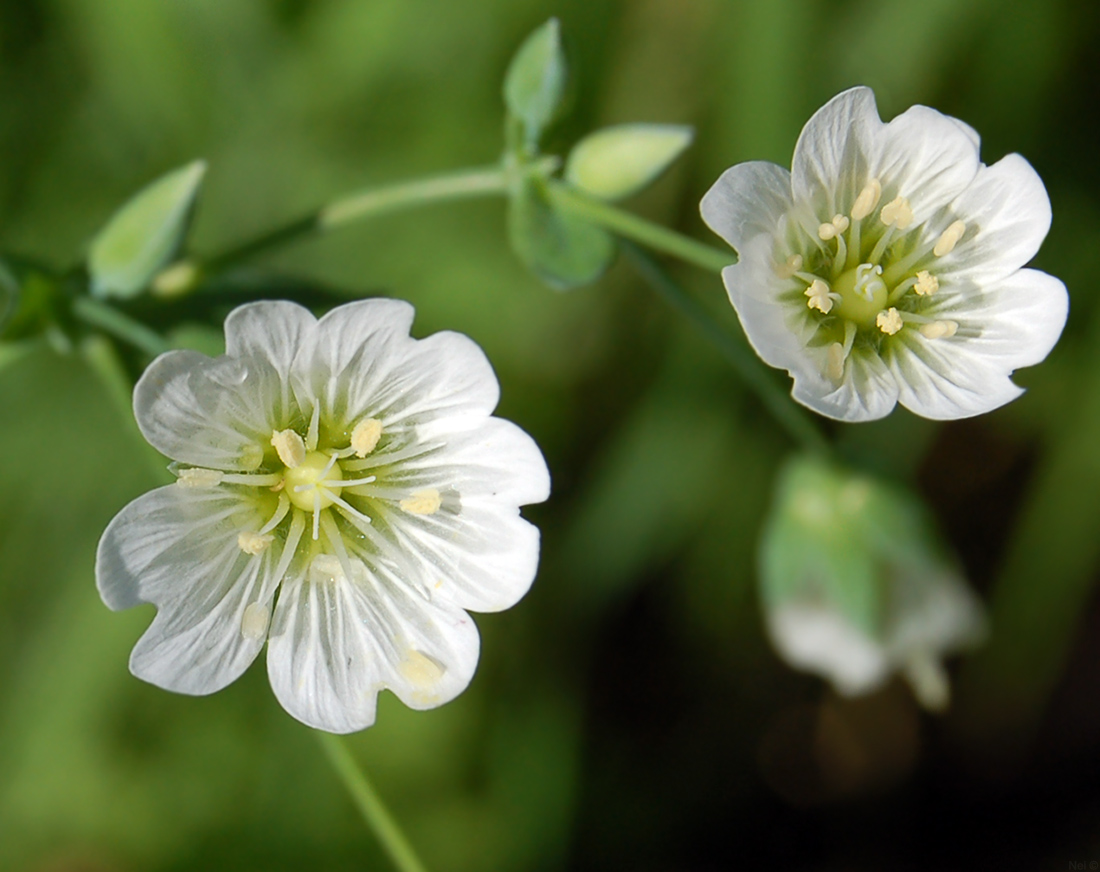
(535, 81)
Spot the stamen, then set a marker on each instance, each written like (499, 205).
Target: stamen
(889, 321)
(316, 511)
(254, 543)
(263, 480)
(949, 239)
(927, 284)
(867, 200)
(252, 456)
(819, 297)
(784, 271)
(280, 513)
(897, 213)
(365, 436)
(424, 502)
(254, 621)
(197, 476)
(834, 362)
(353, 483)
(314, 428)
(290, 447)
(350, 509)
(939, 329)
(832, 229)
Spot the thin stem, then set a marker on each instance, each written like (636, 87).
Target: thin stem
(797, 423)
(370, 804)
(111, 320)
(630, 226)
(464, 184)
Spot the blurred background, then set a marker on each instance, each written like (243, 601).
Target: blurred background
(629, 713)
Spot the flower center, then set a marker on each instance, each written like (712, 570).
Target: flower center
(863, 293)
(311, 485)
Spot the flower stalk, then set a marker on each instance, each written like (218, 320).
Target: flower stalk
(370, 804)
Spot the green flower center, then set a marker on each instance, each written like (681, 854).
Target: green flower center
(310, 485)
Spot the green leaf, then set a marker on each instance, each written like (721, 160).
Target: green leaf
(619, 161)
(561, 250)
(144, 234)
(535, 81)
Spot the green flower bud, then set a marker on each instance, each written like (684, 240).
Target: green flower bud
(619, 161)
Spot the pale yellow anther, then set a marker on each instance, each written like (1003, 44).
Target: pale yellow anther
(199, 477)
(290, 447)
(889, 321)
(949, 239)
(939, 329)
(832, 229)
(251, 542)
(867, 200)
(252, 456)
(254, 621)
(788, 269)
(365, 436)
(818, 293)
(898, 213)
(420, 670)
(834, 361)
(424, 502)
(927, 284)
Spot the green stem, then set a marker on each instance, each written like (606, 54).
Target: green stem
(630, 226)
(370, 804)
(111, 320)
(461, 185)
(799, 425)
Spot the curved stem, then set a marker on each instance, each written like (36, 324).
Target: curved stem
(109, 319)
(630, 226)
(799, 425)
(460, 185)
(370, 805)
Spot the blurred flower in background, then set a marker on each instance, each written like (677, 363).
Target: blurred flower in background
(855, 587)
(886, 266)
(339, 482)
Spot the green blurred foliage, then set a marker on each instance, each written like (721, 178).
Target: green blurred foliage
(627, 714)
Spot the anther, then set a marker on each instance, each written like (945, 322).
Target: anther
(424, 502)
(897, 213)
(833, 228)
(199, 477)
(939, 329)
(290, 447)
(365, 436)
(819, 297)
(927, 284)
(889, 321)
(834, 362)
(867, 200)
(792, 265)
(251, 542)
(254, 621)
(949, 239)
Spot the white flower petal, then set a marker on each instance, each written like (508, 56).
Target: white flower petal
(750, 284)
(928, 158)
(270, 329)
(818, 640)
(836, 151)
(335, 644)
(1019, 318)
(748, 199)
(868, 392)
(1007, 214)
(177, 549)
(209, 412)
(945, 380)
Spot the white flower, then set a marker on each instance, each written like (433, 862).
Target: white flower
(886, 266)
(855, 585)
(343, 494)
(927, 617)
